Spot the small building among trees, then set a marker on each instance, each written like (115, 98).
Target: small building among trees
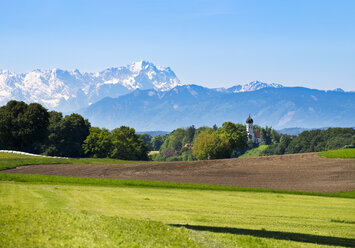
(253, 136)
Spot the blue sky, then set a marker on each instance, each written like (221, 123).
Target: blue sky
(212, 43)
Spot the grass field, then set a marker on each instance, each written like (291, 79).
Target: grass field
(11, 160)
(255, 152)
(54, 215)
(341, 153)
(53, 211)
(44, 227)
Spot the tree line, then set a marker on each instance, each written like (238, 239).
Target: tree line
(31, 128)
(313, 141)
(186, 144)
(230, 141)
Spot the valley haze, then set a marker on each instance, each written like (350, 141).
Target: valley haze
(149, 97)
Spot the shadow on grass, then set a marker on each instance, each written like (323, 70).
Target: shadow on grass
(299, 237)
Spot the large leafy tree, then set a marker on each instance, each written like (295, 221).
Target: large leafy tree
(267, 135)
(211, 145)
(236, 137)
(66, 135)
(98, 144)
(127, 145)
(190, 133)
(157, 141)
(173, 143)
(23, 126)
(147, 139)
(201, 129)
(52, 146)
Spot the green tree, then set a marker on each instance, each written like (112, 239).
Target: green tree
(240, 127)
(98, 144)
(190, 133)
(266, 135)
(147, 139)
(157, 141)
(66, 135)
(201, 129)
(275, 136)
(211, 145)
(51, 146)
(278, 148)
(285, 140)
(173, 143)
(127, 145)
(22, 126)
(236, 138)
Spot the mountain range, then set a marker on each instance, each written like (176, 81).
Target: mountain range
(69, 91)
(187, 105)
(149, 97)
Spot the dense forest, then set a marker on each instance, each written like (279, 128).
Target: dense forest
(32, 128)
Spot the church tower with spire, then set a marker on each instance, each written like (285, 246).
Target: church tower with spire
(250, 131)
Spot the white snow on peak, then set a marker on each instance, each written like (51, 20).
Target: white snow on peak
(136, 67)
(66, 91)
(71, 90)
(252, 86)
(338, 90)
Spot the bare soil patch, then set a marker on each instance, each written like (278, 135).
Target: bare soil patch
(303, 172)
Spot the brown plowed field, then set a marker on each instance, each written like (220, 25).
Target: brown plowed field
(306, 172)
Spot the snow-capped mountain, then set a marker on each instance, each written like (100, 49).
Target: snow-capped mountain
(145, 96)
(68, 91)
(252, 86)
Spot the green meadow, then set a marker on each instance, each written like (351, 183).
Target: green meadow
(53, 211)
(55, 215)
(255, 152)
(341, 153)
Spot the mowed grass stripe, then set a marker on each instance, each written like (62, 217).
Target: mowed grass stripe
(53, 228)
(35, 179)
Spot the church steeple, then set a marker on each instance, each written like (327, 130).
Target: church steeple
(249, 120)
(249, 127)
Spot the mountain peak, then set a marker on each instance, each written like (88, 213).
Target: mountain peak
(136, 66)
(142, 65)
(252, 86)
(338, 90)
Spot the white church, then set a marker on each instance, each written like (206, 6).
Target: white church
(254, 136)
